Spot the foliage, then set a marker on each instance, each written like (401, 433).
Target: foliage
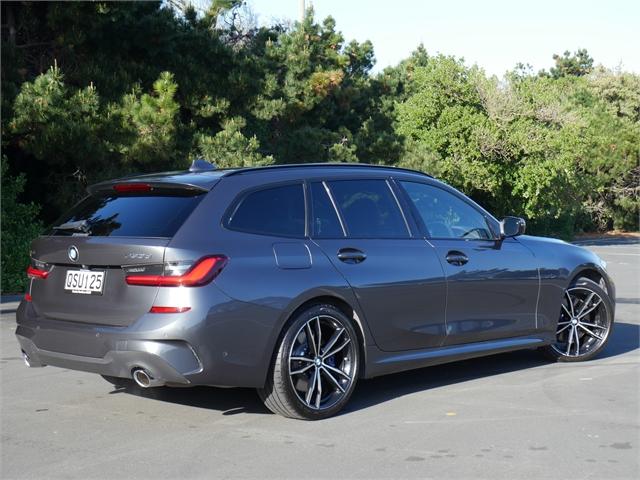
(65, 131)
(78, 139)
(560, 150)
(96, 90)
(610, 102)
(19, 226)
(230, 147)
(577, 65)
(150, 120)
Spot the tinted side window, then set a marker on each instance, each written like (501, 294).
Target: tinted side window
(277, 211)
(445, 215)
(369, 209)
(324, 217)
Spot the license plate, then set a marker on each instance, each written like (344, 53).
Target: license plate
(87, 282)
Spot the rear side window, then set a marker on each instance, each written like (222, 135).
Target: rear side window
(326, 223)
(277, 211)
(127, 216)
(369, 209)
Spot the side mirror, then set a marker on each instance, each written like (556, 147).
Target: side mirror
(512, 227)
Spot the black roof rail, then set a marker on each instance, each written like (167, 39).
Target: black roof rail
(241, 171)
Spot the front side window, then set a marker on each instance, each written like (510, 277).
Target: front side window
(369, 209)
(445, 215)
(276, 211)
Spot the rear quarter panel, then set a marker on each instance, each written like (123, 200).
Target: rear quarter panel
(266, 280)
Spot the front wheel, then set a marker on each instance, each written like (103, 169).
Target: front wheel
(315, 369)
(585, 323)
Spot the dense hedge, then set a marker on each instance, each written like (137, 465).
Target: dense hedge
(20, 224)
(97, 90)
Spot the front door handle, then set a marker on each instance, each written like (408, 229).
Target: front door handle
(457, 258)
(351, 255)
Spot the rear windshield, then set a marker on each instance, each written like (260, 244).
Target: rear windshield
(127, 216)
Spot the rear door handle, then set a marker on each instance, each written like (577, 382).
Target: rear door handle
(457, 258)
(351, 255)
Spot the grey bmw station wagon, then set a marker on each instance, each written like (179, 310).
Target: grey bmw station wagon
(298, 280)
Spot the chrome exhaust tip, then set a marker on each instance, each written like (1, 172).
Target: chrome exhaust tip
(27, 360)
(142, 378)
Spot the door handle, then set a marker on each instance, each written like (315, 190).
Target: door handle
(351, 255)
(457, 258)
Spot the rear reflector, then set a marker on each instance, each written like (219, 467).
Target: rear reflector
(132, 187)
(200, 273)
(169, 309)
(27, 297)
(33, 272)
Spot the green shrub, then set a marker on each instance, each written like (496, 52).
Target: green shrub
(20, 225)
(147, 88)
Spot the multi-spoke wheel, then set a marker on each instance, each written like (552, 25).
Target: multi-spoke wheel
(316, 366)
(585, 323)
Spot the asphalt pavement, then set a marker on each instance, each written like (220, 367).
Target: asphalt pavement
(506, 416)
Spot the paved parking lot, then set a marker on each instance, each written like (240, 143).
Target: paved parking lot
(507, 416)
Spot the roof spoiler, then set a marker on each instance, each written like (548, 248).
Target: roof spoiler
(137, 187)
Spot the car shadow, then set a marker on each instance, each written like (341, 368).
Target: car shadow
(228, 401)
(625, 337)
(629, 301)
(232, 401)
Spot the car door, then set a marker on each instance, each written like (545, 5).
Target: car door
(397, 277)
(492, 283)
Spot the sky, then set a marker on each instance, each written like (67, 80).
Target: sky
(495, 34)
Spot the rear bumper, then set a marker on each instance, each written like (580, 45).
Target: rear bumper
(104, 350)
(219, 342)
(154, 357)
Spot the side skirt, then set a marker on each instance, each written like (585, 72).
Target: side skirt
(383, 363)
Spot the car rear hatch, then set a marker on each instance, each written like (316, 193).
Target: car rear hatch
(79, 270)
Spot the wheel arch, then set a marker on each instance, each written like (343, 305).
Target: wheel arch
(595, 273)
(342, 304)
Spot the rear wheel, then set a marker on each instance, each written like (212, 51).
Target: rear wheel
(585, 323)
(315, 369)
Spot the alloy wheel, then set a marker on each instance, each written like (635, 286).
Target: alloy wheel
(322, 362)
(584, 324)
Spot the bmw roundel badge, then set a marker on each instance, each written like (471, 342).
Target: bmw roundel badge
(73, 253)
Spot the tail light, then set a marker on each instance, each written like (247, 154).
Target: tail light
(132, 187)
(181, 274)
(155, 309)
(38, 270)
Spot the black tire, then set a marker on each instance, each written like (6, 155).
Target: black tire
(283, 392)
(600, 322)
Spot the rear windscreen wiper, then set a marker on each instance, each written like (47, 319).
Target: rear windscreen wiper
(81, 226)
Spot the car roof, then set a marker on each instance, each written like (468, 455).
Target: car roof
(205, 179)
(331, 167)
